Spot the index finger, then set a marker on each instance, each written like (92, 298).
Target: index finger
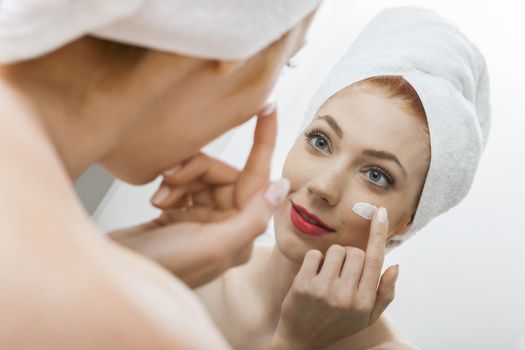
(256, 171)
(201, 167)
(375, 252)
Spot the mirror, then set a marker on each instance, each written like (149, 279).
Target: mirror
(462, 277)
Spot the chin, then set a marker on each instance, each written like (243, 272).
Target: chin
(132, 177)
(143, 178)
(139, 181)
(291, 251)
(291, 244)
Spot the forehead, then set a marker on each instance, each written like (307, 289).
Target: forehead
(370, 119)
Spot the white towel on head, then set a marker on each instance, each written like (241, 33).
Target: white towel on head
(215, 29)
(450, 76)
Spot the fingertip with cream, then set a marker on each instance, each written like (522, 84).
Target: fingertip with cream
(382, 215)
(364, 210)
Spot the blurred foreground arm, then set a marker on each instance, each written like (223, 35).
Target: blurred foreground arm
(64, 285)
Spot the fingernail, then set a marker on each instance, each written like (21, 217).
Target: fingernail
(277, 191)
(173, 170)
(161, 195)
(396, 273)
(382, 215)
(267, 110)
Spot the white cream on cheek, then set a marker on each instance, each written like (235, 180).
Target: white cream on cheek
(364, 210)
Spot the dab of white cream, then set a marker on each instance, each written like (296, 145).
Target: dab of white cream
(364, 210)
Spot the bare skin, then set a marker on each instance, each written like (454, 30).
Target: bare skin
(317, 292)
(211, 252)
(70, 109)
(62, 275)
(245, 300)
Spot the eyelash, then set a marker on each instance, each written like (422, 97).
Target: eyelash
(389, 178)
(311, 134)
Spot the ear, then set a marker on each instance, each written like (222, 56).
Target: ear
(228, 67)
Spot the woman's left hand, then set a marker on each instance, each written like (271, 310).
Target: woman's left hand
(204, 189)
(340, 296)
(200, 239)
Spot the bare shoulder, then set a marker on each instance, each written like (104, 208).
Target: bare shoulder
(397, 340)
(230, 297)
(382, 335)
(217, 290)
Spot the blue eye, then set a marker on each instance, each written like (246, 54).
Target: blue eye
(379, 177)
(318, 140)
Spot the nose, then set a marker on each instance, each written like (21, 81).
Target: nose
(326, 187)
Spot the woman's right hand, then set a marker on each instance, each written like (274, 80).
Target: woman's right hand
(340, 295)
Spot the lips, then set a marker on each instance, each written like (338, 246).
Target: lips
(308, 223)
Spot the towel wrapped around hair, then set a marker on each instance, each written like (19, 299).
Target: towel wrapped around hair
(214, 29)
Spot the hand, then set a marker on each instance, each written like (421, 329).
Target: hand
(229, 210)
(205, 189)
(342, 297)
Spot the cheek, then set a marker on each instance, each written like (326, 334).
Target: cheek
(354, 229)
(400, 208)
(266, 69)
(357, 229)
(297, 168)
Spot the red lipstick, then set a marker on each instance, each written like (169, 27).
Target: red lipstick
(308, 223)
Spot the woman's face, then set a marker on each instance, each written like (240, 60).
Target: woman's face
(204, 104)
(361, 147)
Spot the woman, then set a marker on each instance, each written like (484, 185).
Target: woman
(399, 124)
(75, 92)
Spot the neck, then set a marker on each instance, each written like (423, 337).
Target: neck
(283, 272)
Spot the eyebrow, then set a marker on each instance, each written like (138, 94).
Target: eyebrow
(384, 155)
(368, 152)
(333, 124)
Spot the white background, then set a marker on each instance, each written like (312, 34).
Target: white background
(462, 279)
